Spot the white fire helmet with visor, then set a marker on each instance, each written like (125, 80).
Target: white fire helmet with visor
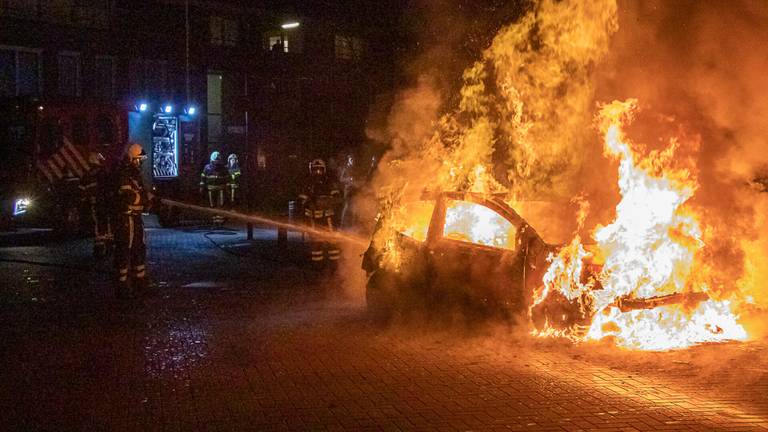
(317, 167)
(215, 157)
(232, 159)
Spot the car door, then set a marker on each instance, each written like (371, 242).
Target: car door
(475, 256)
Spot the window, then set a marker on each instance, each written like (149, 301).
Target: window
(348, 47)
(86, 13)
(80, 130)
(283, 41)
(215, 82)
(474, 223)
(19, 71)
(224, 31)
(18, 8)
(69, 74)
(106, 130)
(414, 218)
(103, 78)
(277, 44)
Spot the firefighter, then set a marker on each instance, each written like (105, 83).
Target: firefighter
(233, 166)
(131, 201)
(214, 180)
(95, 194)
(320, 196)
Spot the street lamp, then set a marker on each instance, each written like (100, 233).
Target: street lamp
(290, 25)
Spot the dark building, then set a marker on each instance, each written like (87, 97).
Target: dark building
(276, 86)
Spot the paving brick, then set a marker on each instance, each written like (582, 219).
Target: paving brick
(259, 347)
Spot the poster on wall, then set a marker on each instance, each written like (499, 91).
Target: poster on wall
(165, 147)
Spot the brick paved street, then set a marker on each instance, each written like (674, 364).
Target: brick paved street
(239, 337)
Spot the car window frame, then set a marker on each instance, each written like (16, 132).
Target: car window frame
(437, 224)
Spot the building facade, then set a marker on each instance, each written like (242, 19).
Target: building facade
(275, 88)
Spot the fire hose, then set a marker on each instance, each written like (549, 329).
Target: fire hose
(260, 219)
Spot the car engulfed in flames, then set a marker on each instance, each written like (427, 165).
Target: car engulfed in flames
(668, 247)
(645, 279)
(474, 252)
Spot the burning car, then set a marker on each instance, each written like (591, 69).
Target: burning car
(460, 248)
(476, 252)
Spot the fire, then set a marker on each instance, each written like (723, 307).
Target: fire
(520, 125)
(650, 251)
(477, 224)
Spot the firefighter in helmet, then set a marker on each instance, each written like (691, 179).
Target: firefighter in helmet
(131, 201)
(233, 167)
(95, 193)
(214, 180)
(320, 197)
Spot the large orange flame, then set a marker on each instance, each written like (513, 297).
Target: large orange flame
(650, 250)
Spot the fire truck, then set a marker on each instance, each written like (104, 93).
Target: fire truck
(45, 148)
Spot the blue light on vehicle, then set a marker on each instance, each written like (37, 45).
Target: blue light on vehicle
(21, 205)
(168, 109)
(143, 106)
(191, 110)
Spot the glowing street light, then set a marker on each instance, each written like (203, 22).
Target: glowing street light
(289, 25)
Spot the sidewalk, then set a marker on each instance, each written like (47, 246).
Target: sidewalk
(240, 337)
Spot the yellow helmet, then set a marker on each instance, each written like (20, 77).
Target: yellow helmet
(135, 151)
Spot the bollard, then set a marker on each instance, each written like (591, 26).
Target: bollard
(282, 232)
(292, 215)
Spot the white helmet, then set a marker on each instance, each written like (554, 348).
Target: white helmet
(232, 159)
(215, 156)
(317, 167)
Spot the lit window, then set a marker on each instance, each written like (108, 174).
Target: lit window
(474, 223)
(289, 40)
(278, 44)
(214, 107)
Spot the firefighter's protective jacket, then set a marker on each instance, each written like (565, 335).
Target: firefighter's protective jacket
(214, 177)
(320, 197)
(234, 179)
(131, 196)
